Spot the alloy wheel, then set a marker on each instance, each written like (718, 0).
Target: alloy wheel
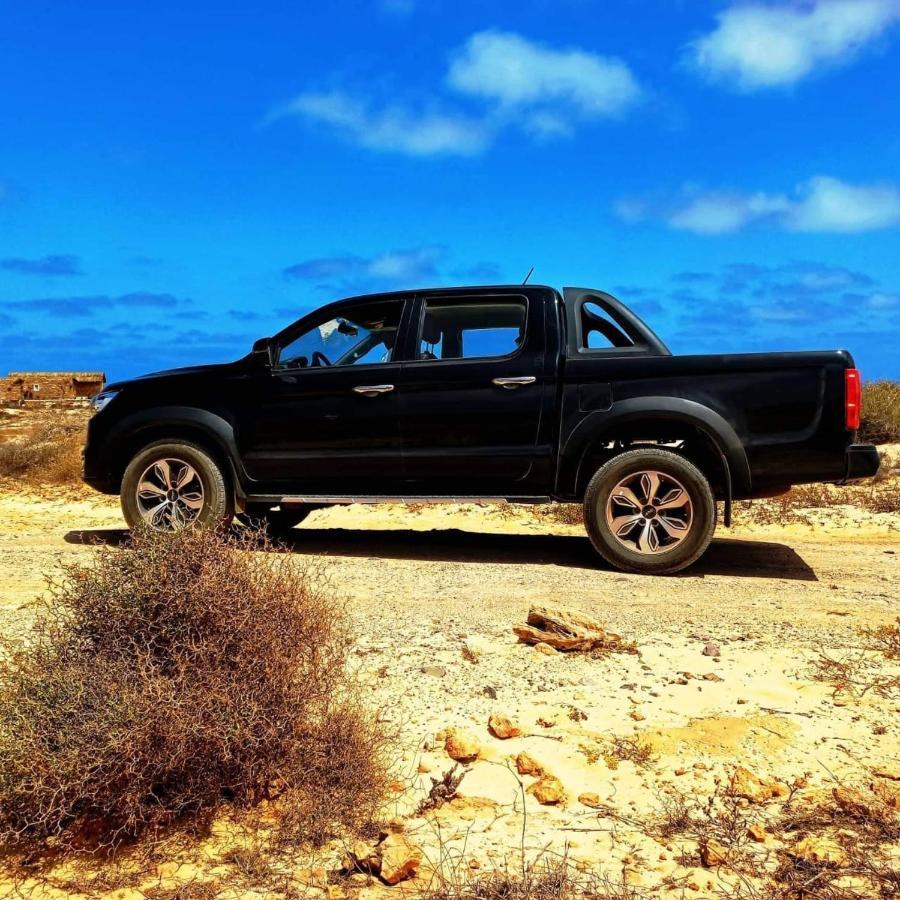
(169, 495)
(649, 512)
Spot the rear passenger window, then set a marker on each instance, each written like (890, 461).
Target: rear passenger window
(475, 329)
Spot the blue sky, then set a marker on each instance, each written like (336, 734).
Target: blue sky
(178, 178)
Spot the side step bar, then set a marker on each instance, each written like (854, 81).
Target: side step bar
(344, 500)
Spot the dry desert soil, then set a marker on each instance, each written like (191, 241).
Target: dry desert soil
(725, 676)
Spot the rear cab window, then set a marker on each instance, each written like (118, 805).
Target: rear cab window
(471, 328)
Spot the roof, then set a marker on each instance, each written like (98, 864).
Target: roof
(77, 376)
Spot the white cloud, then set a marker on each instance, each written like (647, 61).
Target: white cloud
(515, 83)
(764, 45)
(391, 128)
(720, 213)
(827, 204)
(515, 73)
(822, 204)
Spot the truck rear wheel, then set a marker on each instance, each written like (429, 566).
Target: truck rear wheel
(649, 511)
(171, 485)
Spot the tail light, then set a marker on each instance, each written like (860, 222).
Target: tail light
(852, 398)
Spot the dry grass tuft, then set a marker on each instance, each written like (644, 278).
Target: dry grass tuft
(167, 679)
(47, 450)
(628, 749)
(880, 412)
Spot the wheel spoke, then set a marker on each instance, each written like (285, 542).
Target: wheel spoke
(674, 528)
(625, 495)
(622, 525)
(184, 478)
(147, 490)
(675, 499)
(648, 542)
(649, 485)
(194, 500)
(163, 471)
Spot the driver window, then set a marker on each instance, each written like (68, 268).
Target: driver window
(364, 334)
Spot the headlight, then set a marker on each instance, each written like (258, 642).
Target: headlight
(98, 402)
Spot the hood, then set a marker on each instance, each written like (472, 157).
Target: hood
(171, 374)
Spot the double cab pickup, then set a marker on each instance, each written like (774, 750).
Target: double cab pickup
(520, 394)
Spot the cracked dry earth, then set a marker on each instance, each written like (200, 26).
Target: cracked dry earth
(724, 676)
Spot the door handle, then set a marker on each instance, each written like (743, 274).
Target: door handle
(373, 390)
(512, 383)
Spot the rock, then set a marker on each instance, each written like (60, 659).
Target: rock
(363, 858)
(711, 676)
(474, 648)
(637, 715)
(590, 799)
(753, 788)
(434, 671)
(400, 858)
(503, 727)
(545, 648)
(757, 833)
(819, 851)
(712, 853)
(548, 790)
(461, 745)
(526, 764)
(489, 691)
(711, 649)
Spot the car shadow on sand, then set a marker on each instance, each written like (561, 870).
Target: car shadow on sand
(725, 556)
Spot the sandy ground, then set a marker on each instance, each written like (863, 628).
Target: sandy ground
(724, 675)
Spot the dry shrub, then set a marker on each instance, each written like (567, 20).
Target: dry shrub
(884, 639)
(622, 748)
(546, 878)
(880, 412)
(48, 452)
(561, 513)
(164, 680)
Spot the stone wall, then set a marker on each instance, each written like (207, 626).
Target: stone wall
(25, 387)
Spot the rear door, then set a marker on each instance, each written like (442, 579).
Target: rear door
(472, 394)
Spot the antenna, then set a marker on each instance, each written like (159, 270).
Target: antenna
(528, 275)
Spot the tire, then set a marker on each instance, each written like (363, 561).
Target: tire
(203, 499)
(650, 538)
(277, 521)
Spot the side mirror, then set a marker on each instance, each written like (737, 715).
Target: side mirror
(264, 351)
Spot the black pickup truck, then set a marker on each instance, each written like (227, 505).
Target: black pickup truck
(511, 393)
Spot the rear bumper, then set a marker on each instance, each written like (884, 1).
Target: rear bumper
(862, 461)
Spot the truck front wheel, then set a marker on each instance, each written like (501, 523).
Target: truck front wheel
(649, 511)
(170, 485)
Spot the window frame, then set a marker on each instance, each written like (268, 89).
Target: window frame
(332, 311)
(416, 337)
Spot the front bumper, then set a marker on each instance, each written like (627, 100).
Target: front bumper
(861, 461)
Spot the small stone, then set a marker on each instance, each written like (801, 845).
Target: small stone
(711, 649)
(434, 671)
(502, 727)
(545, 648)
(548, 790)
(712, 853)
(711, 676)
(590, 799)
(637, 715)
(526, 764)
(680, 772)
(489, 691)
(819, 851)
(461, 745)
(757, 833)
(400, 858)
(753, 788)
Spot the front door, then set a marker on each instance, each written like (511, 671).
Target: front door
(472, 395)
(326, 416)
